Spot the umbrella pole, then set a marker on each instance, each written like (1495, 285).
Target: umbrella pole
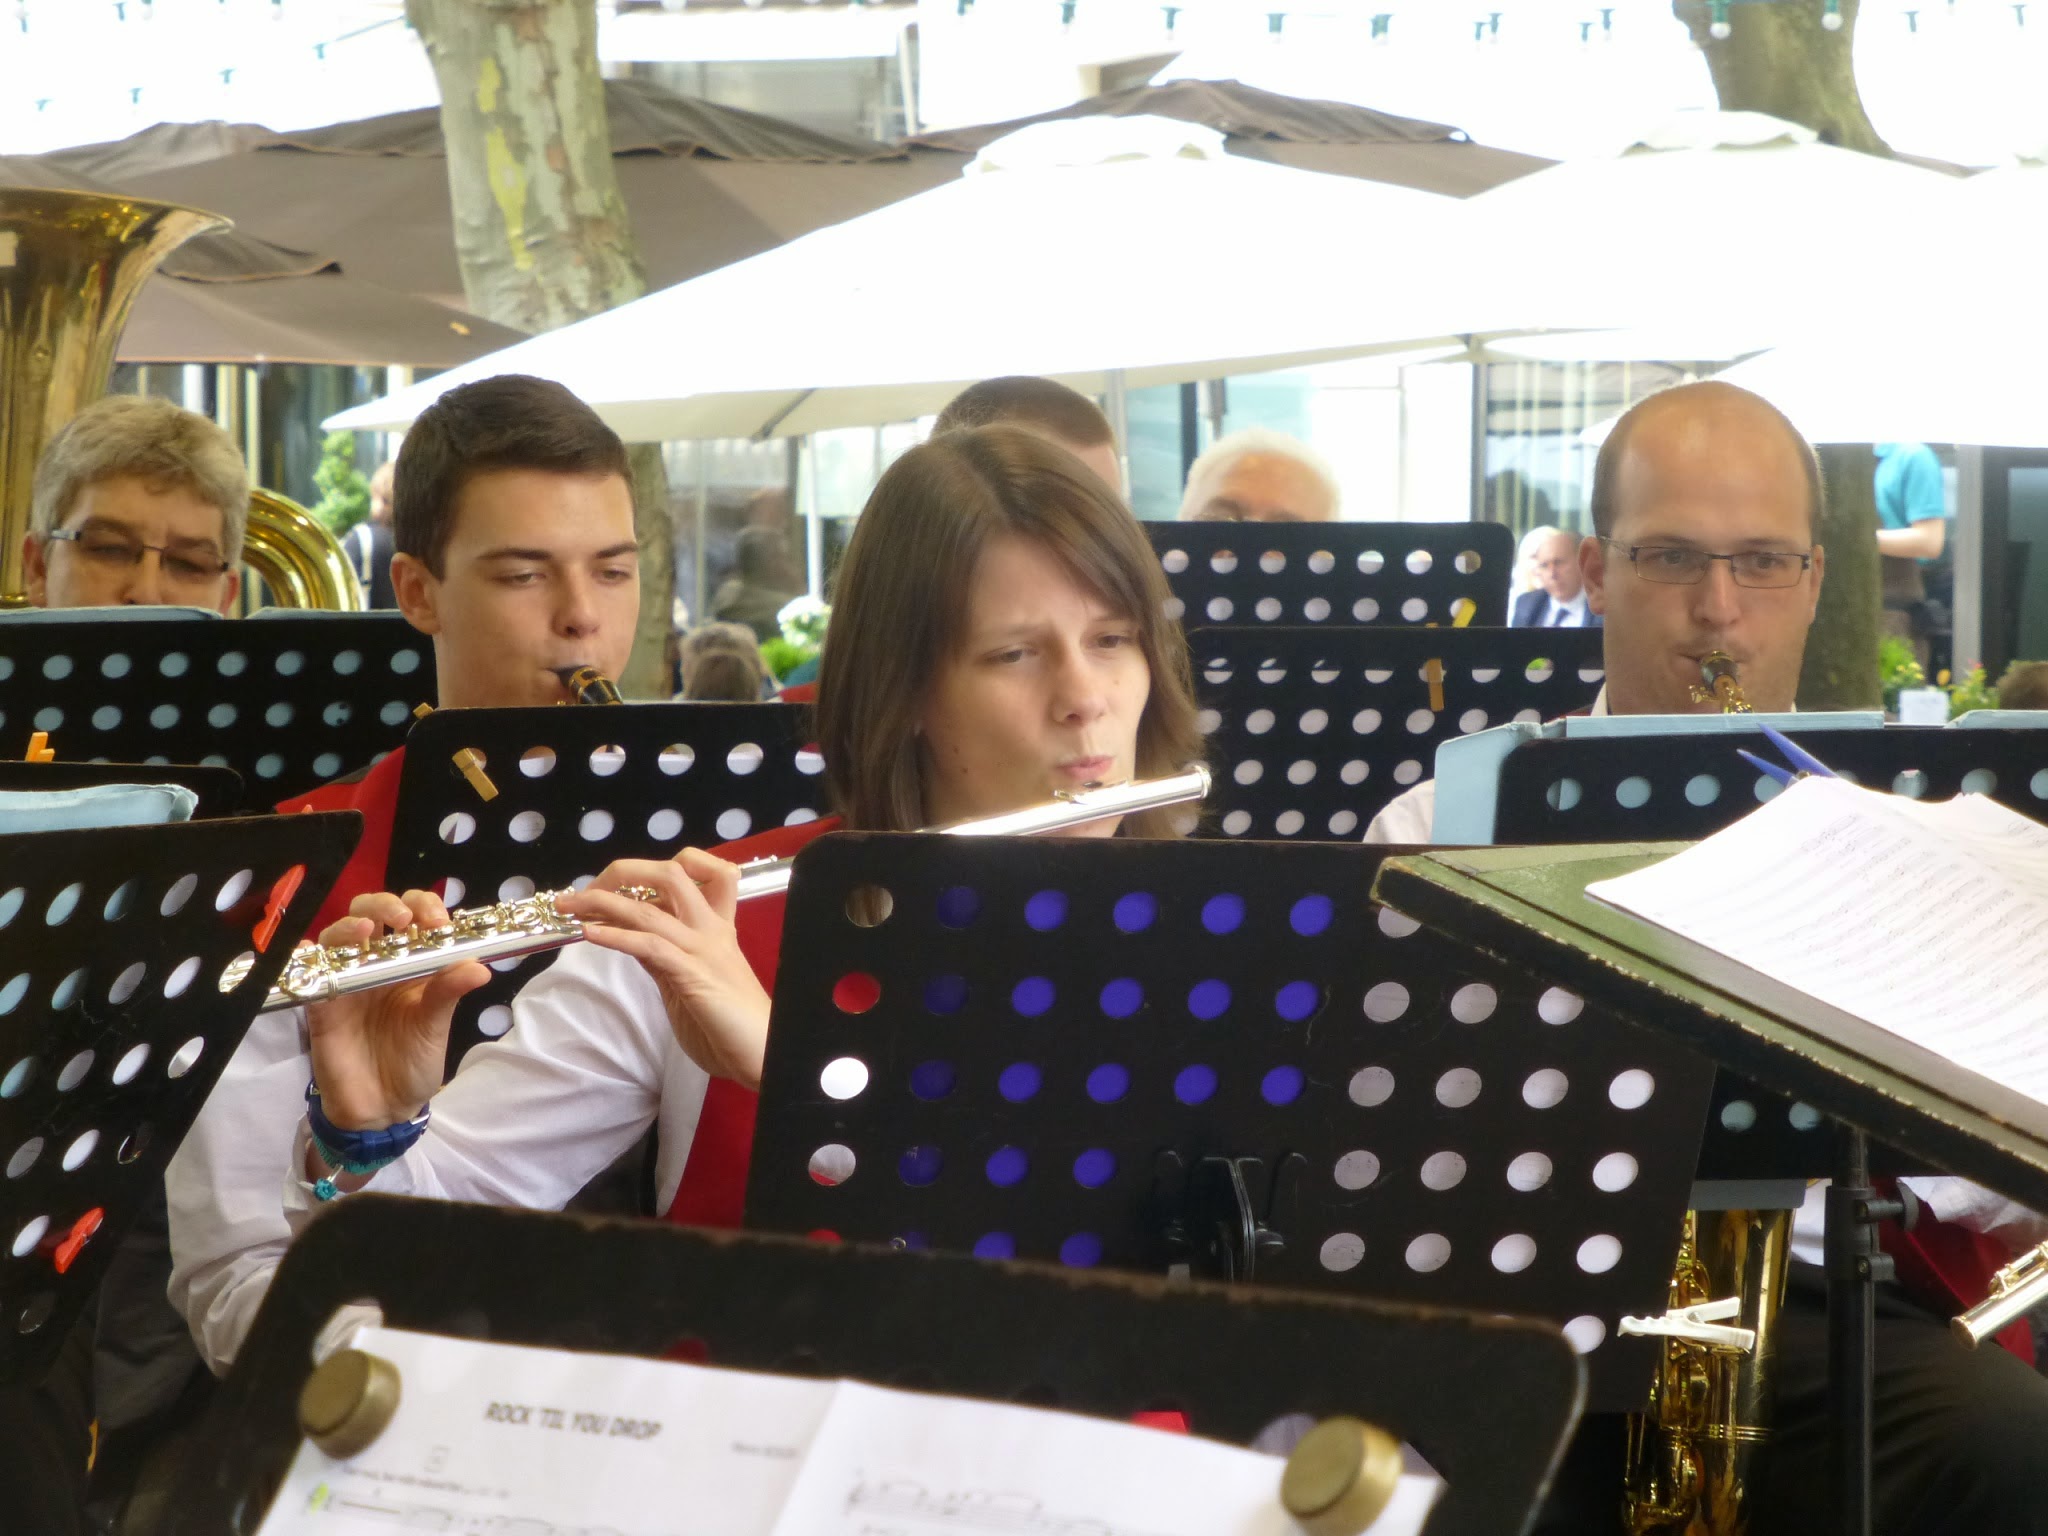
(700, 583)
(814, 531)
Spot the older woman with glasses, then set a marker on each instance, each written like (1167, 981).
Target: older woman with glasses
(136, 501)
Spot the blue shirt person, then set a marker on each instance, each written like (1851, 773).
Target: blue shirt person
(1912, 502)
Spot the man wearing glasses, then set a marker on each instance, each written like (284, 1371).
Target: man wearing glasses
(136, 501)
(1706, 501)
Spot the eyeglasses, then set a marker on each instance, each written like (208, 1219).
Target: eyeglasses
(1677, 566)
(183, 567)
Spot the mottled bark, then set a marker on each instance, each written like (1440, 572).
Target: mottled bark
(1841, 648)
(1779, 59)
(540, 226)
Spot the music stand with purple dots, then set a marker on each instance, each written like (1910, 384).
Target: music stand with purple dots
(1218, 1059)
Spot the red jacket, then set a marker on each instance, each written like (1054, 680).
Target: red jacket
(714, 1184)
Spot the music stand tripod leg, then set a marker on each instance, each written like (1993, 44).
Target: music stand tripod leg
(1855, 1265)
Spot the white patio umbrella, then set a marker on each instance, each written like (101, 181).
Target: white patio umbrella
(1717, 235)
(1159, 258)
(1955, 353)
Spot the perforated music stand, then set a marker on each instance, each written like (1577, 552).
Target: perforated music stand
(289, 701)
(1489, 1401)
(1530, 907)
(576, 789)
(1611, 789)
(219, 789)
(113, 1028)
(1335, 573)
(1311, 731)
(1076, 1049)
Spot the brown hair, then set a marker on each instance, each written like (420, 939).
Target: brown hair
(899, 610)
(512, 421)
(1025, 401)
(1607, 467)
(728, 676)
(2024, 686)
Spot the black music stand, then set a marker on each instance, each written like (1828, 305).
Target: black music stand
(1335, 573)
(219, 789)
(1530, 907)
(1615, 788)
(113, 1028)
(577, 788)
(1489, 1401)
(1313, 730)
(289, 700)
(1219, 1056)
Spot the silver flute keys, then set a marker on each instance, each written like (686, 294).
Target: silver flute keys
(509, 929)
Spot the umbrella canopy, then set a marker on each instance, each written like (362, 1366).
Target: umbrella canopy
(705, 185)
(1715, 236)
(1074, 260)
(1330, 136)
(229, 297)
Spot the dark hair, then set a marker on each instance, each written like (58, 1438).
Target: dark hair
(510, 422)
(900, 609)
(1025, 401)
(2024, 686)
(1607, 468)
(719, 674)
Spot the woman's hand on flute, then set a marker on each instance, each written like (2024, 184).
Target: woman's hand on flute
(378, 1055)
(686, 941)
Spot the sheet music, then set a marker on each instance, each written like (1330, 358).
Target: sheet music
(1930, 921)
(499, 1440)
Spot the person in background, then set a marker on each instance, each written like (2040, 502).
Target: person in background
(369, 542)
(1912, 536)
(723, 662)
(755, 592)
(136, 500)
(1045, 409)
(1706, 505)
(2024, 686)
(1559, 600)
(1524, 579)
(1258, 476)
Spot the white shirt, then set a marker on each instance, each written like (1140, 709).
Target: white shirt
(1574, 613)
(589, 1063)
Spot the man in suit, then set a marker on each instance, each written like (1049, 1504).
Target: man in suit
(369, 542)
(1559, 600)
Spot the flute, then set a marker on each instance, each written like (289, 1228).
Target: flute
(2015, 1291)
(508, 930)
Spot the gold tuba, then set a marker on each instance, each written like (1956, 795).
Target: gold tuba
(71, 264)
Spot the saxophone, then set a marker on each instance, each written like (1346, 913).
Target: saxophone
(1690, 1451)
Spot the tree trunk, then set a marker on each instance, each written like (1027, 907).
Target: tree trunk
(540, 226)
(1779, 59)
(1841, 648)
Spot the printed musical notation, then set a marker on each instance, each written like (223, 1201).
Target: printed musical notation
(885, 1506)
(498, 1440)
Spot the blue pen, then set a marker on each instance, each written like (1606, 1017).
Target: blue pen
(1803, 762)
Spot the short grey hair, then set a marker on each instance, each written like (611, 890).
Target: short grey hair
(161, 444)
(1231, 447)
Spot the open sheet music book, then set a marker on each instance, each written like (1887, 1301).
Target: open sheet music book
(496, 1438)
(1930, 921)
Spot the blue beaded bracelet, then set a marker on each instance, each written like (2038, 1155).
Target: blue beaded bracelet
(357, 1152)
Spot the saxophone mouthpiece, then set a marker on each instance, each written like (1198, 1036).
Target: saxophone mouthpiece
(1721, 684)
(587, 685)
